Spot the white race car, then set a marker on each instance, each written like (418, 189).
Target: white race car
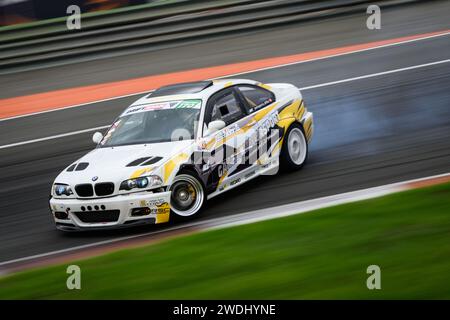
(175, 148)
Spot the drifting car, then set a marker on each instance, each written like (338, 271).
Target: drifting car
(178, 146)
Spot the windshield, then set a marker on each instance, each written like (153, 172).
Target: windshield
(157, 122)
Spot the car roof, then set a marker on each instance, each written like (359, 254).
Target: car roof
(182, 88)
(189, 90)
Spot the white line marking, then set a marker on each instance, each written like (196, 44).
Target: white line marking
(375, 75)
(301, 89)
(339, 54)
(76, 105)
(52, 137)
(240, 73)
(256, 215)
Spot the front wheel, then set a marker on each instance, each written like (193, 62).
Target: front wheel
(294, 151)
(187, 195)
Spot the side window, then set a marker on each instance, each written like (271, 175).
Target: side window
(224, 107)
(256, 97)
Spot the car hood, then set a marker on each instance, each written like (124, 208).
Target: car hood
(114, 164)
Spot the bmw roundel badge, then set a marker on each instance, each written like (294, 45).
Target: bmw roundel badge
(94, 178)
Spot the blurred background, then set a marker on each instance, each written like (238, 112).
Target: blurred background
(21, 11)
(380, 98)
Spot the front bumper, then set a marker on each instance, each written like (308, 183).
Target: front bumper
(113, 212)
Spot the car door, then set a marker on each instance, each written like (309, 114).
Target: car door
(223, 160)
(263, 134)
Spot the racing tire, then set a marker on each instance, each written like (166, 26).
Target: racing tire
(188, 196)
(294, 151)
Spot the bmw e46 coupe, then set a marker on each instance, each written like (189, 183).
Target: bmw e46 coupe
(178, 146)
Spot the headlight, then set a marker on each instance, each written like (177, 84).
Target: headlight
(141, 183)
(62, 189)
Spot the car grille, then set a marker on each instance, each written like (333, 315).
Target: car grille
(84, 190)
(104, 189)
(101, 189)
(98, 216)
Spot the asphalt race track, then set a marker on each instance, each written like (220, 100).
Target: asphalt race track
(370, 130)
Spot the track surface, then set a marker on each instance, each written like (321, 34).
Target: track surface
(368, 132)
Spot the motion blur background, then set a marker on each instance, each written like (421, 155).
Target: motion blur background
(382, 115)
(21, 11)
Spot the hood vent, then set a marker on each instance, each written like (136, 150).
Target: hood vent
(144, 161)
(81, 166)
(137, 162)
(152, 160)
(72, 167)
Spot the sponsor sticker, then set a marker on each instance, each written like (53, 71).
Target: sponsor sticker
(250, 174)
(232, 183)
(193, 104)
(178, 104)
(163, 208)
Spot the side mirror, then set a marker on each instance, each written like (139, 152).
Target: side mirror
(215, 126)
(97, 137)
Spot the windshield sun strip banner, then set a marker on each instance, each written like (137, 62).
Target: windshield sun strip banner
(177, 104)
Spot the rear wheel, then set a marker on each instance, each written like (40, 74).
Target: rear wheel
(294, 151)
(187, 196)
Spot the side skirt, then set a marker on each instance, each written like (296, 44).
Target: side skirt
(270, 168)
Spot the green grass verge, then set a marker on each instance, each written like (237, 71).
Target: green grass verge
(322, 254)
